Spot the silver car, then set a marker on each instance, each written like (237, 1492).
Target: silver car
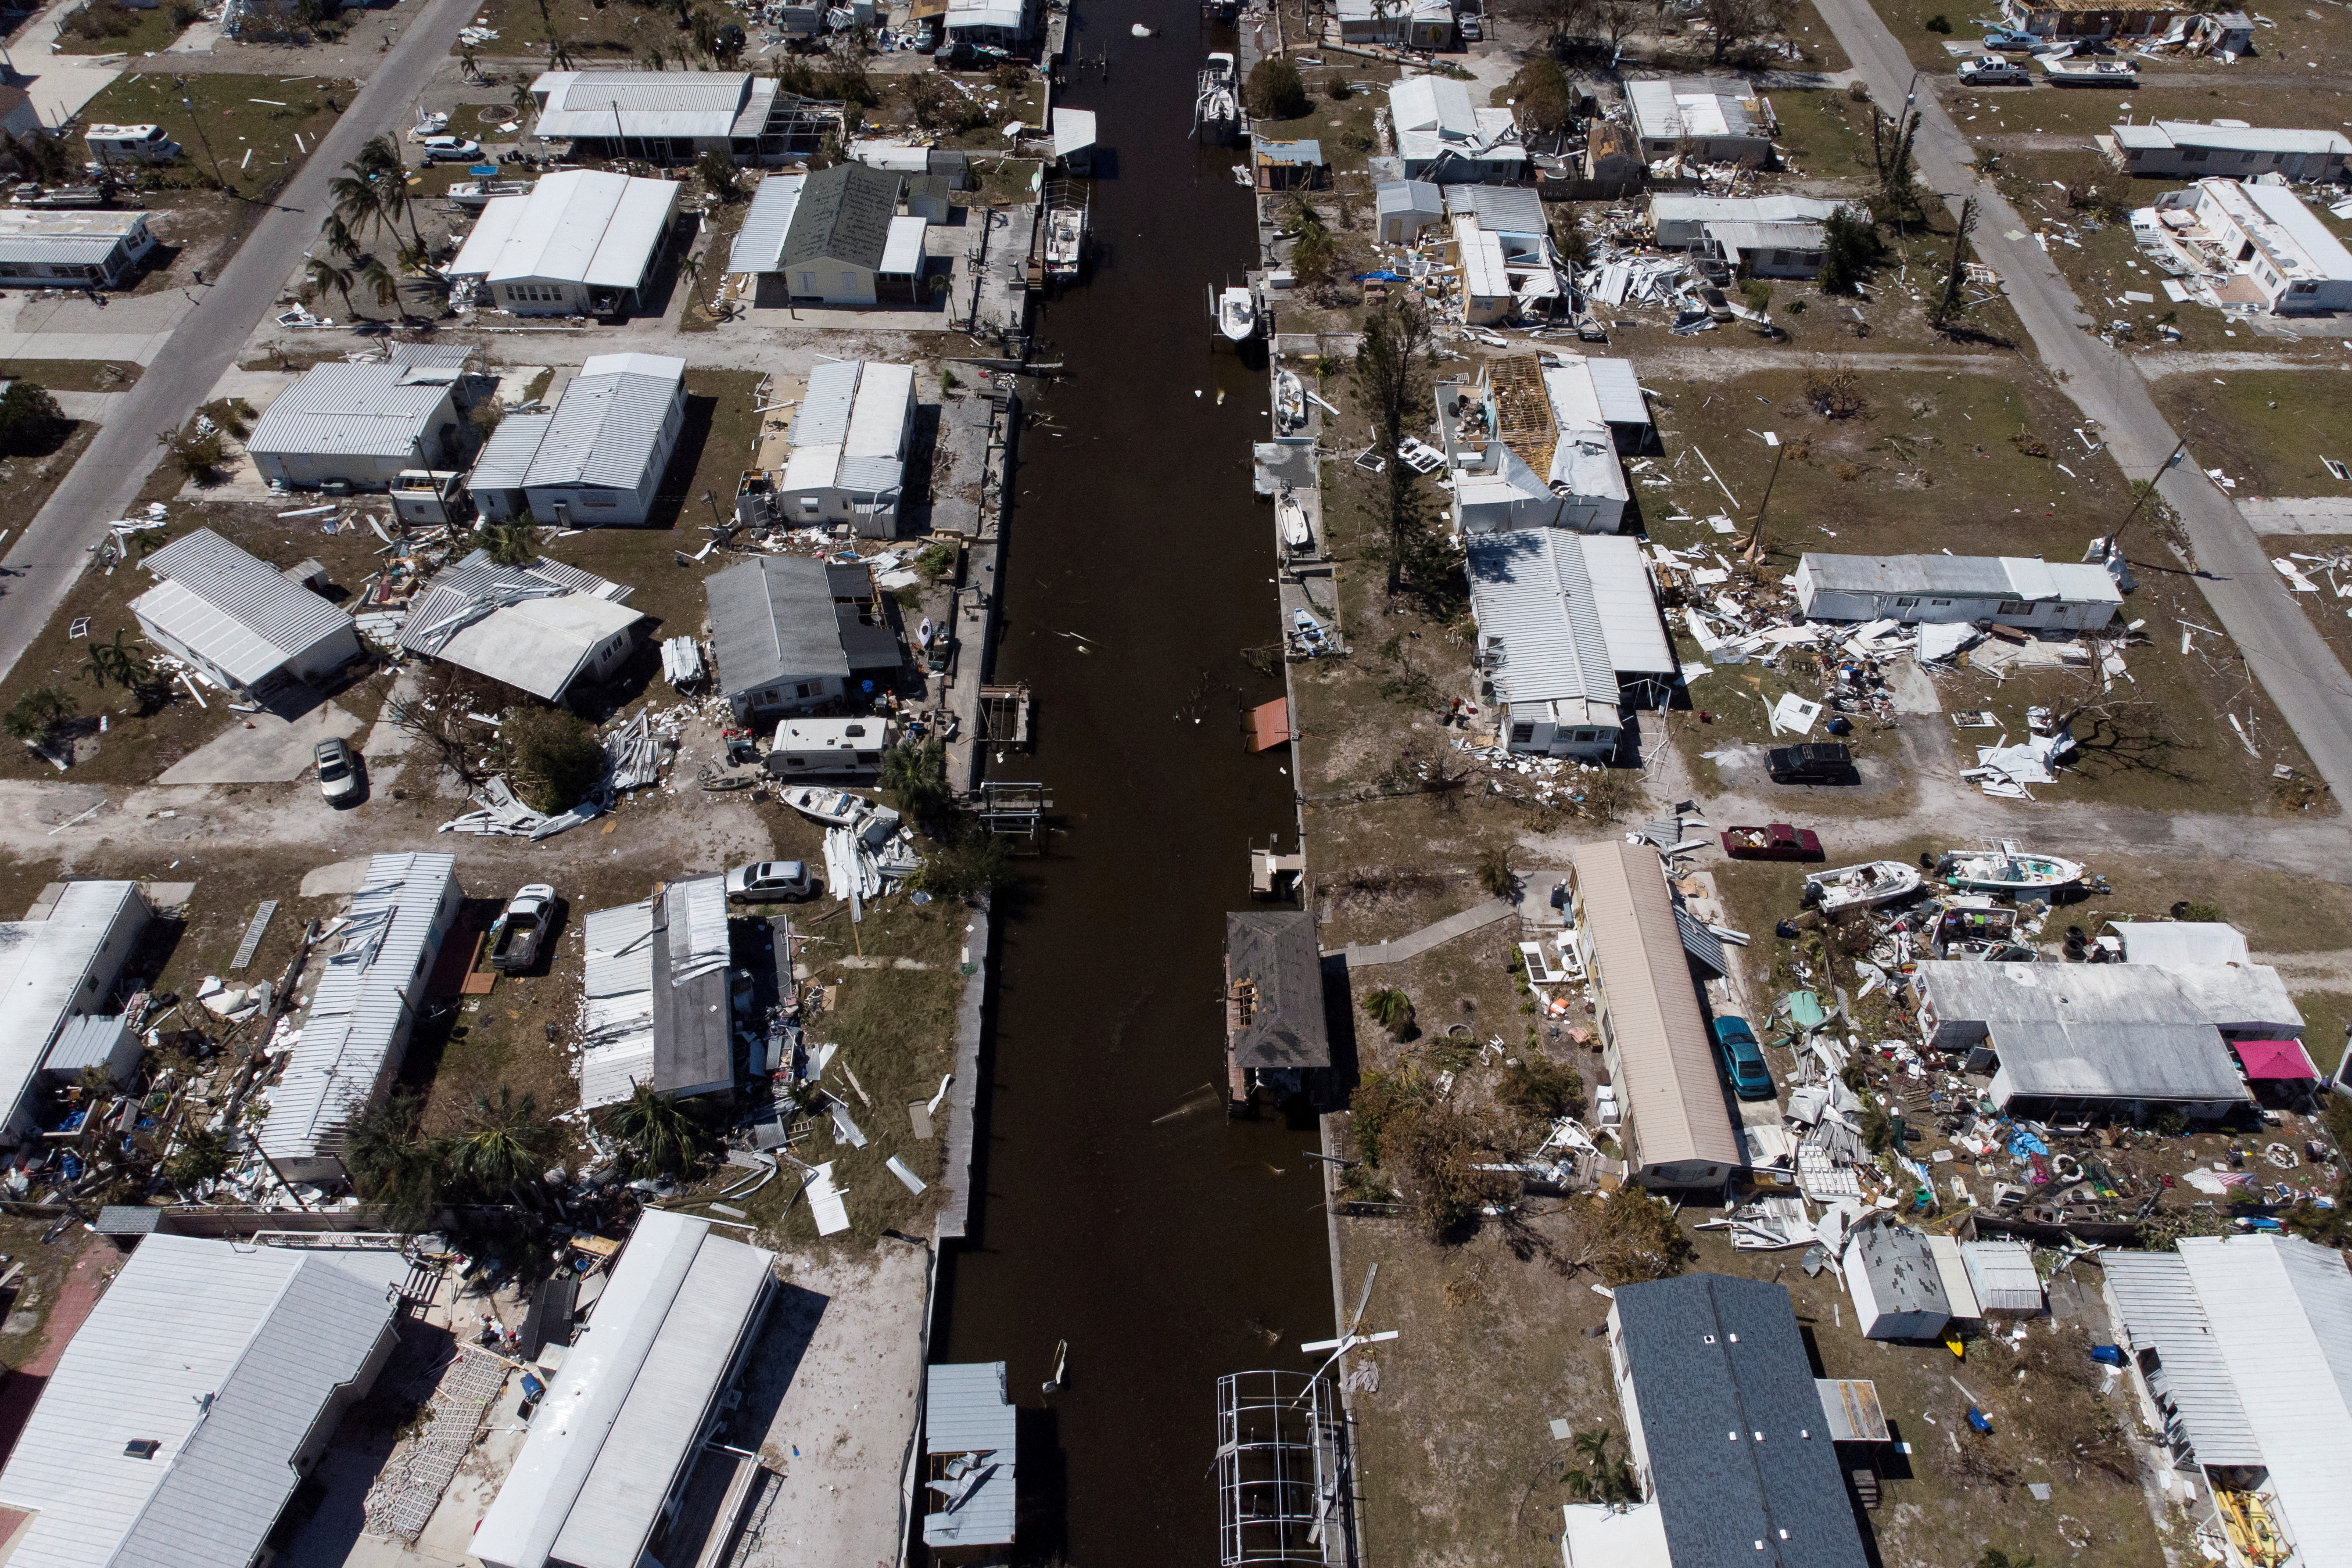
(339, 771)
(771, 882)
(451, 150)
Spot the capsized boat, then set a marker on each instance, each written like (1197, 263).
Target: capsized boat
(1290, 514)
(1861, 886)
(1237, 314)
(2007, 870)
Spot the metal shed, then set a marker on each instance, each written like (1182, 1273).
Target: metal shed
(970, 1429)
(2003, 1276)
(100, 1040)
(1897, 1291)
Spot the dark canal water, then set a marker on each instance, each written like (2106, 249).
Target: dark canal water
(1167, 1248)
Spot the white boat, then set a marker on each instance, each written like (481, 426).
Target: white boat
(1290, 514)
(833, 808)
(1217, 102)
(429, 122)
(481, 193)
(1237, 314)
(1066, 241)
(1861, 886)
(2007, 870)
(2091, 73)
(1289, 403)
(1308, 634)
(1140, 31)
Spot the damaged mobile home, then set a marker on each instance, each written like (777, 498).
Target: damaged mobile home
(540, 628)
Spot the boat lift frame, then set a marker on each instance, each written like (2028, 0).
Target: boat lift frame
(1281, 1494)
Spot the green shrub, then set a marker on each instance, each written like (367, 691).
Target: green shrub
(553, 758)
(1275, 91)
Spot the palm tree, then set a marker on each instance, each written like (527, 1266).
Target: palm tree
(394, 1165)
(321, 275)
(338, 236)
(689, 267)
(506, 1143)
(663, 1129)
(380, 280)
(524, 104)
(125, 667)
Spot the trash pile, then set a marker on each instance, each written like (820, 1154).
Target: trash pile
(1559, 781)
(868, 850)
(635, 755)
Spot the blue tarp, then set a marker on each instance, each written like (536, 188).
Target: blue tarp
(2023, 1143)
(1383, 278)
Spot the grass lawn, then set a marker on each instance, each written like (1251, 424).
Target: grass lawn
(254, 130)
(2266, 429)
(1824, 135)
(138, 746)
(2331, 614)
(1820, 45)
(1345, 130)
(586, 27)
(75, 375)
(149, 31)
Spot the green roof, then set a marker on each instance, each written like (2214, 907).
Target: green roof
(844, 216)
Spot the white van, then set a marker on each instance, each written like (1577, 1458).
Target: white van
(130, 145)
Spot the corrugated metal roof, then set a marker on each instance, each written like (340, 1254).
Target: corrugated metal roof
(1499, 209)
(224, 1357)
(350, 411)
(577, 225)
(1671, 1093)
(57, 250)
(2232, 138)
(617, 1023)
(2282, 1310)
(771, 620)
(2119, 1031)
(606, 104)
(234, 649)
(1626, 605)
(432, 356)
(50, 970)
(822, 419)
(608, 426)
(659, 1429)
(1618, 390)
(1952, 1272)
(1485, 275)
(1972, 576)
(1668, 109)
(90, 1040)
(1849, 1405)
(759, 243)
(1531, 589)
(965, 1411)
(2170, 943)
(534, 627)
(2157, 1308)
(1416, 198)
(2002, 1275)
(506, 456)
(276, 616)
(357, 1028)
(693, 1014)
(884, 408)
(82, 239)
(590, 1405)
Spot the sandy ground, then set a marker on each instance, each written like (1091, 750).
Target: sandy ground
(840, 1367)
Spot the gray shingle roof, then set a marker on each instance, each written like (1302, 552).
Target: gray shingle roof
(772, 619)
(844, 214)
(1277, 950)
(1739, 1449)
(349, 411)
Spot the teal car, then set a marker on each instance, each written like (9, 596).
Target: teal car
(1742, 1059)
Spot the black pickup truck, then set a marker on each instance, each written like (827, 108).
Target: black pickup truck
(1818, 763)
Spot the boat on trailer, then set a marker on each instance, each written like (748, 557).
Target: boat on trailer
(1861, 886)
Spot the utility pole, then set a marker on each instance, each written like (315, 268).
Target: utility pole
(1754, 552)
(197, 120)
(2173, 457)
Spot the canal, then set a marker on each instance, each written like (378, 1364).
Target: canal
(1115, 1205)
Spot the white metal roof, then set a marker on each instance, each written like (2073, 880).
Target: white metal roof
(2280, 1310)
(349, 411)
(707, 105)
(1074, 130)
(1531, 589)
(534, 627)
(238, 611)
(506, 455)
(1668, 208)
(48, 972)
(1977, 575)
(2157, 1309)
(2230, 138)
(225, 1356)
(360, 1013)
(902, 251)
(2167, 943)
(87, 238)
(577, 225)
(608, 423)
(2126, 1031)
(2002, 1275)
(90, 1040)
(1006, 13)
(759, 243)
(1418, 198)
(2309, 243)
(1626, 604)
(1700, 107)
(965, 1412)
(1485, 275)
(663, 1317)
(851, 430)
(616, 1008)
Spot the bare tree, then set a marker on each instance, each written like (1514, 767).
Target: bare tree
(1392, 385)
(1737, 23)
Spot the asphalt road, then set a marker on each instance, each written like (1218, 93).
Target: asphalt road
(2282, 648)
(45, 557)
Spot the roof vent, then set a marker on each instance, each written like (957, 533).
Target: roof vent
(1707, 1338)
(1733, 1338)
(141, 1448)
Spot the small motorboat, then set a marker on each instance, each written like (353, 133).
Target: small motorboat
(833, 808)
(429, 122)
(1861, 886)
(1140, 31)
(2007, 870)
(1290, 514)
(1065, 242)
(1310, 633)
(1217, 103)
(1774, 841)
(1237, 314)
(1289, 403)
(2091, 73)
(481, 193)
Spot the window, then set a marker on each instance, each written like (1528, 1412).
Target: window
(2013, 607)
(1585, 737)
(1907, 604)
(1522, 735)
(1937, 603)
(809, 503)
(2195, 154)
(2245, 157)
(805, 689)
(867, 758)
(1779, 258)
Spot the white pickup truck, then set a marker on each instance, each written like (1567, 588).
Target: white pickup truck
(1991, 71)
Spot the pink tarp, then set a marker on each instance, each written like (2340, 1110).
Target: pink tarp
(2275, 1058)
